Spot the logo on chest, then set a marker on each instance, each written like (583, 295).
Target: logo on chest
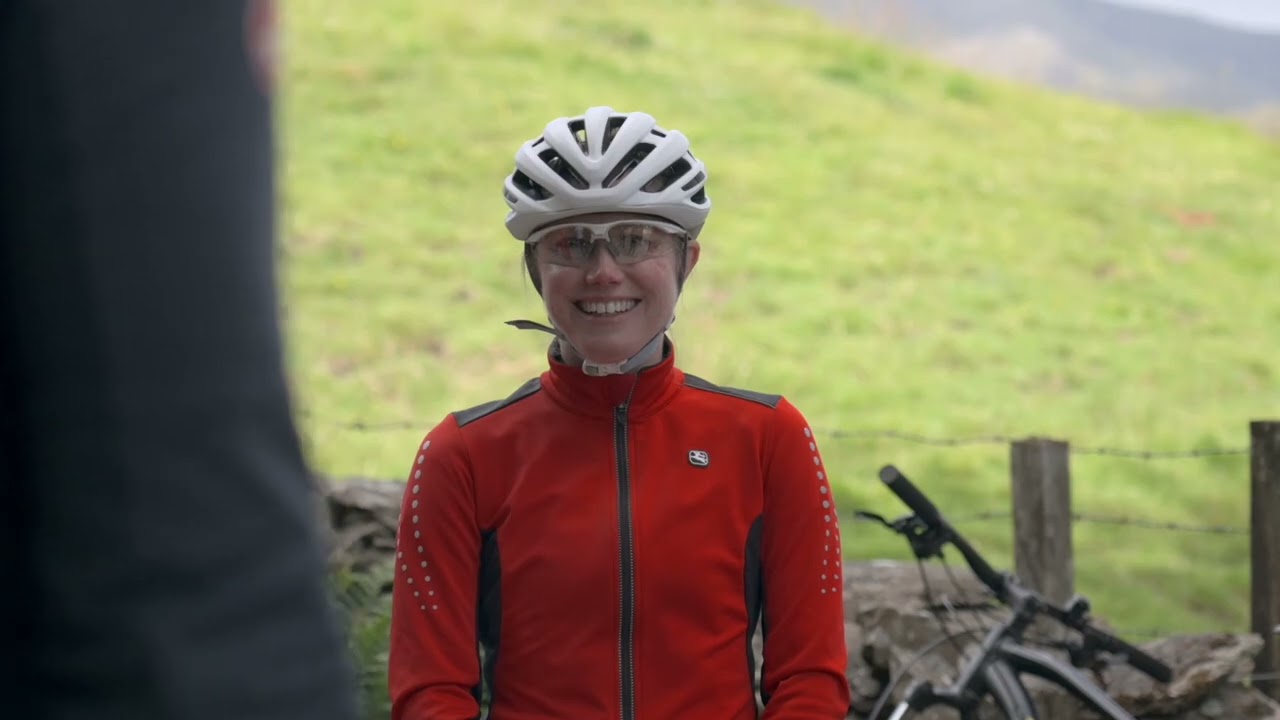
(699, 458)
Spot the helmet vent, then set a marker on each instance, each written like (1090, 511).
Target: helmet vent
(579, 130)
(663, 180)
(528, 186)
(561, 167)
(693, 183)
(611, 129)
(627, 164)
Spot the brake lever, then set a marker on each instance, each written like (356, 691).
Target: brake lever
(907, 525)
(867, 515)
(1087, 653)
(925, 541)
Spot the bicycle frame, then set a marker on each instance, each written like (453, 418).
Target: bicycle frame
(1028, 661)
(1001, 669)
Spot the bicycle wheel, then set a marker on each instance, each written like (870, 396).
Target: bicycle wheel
(1006, 689)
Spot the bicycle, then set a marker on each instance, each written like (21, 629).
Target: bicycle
(996, 671)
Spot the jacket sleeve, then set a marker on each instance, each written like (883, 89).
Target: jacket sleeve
(433, 666)
(805, 657)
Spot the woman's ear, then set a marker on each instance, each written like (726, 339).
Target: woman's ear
(531, 266)
(692, 251)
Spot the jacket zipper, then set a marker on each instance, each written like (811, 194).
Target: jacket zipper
(626, 552)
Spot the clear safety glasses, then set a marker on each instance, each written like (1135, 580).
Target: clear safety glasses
(629, 241)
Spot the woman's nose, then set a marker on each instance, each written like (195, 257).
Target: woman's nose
(602, 268)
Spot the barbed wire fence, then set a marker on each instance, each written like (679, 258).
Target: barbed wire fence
(1099, 451)
(1264, 454)
(1040, 471)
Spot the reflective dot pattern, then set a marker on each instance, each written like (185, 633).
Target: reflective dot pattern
(414, 570)
(832, 560)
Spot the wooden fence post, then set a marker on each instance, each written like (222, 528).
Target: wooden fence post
(1043, 555)
(1265, 548)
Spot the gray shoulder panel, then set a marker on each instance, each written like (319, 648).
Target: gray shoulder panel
(470, 415)
(694, 381)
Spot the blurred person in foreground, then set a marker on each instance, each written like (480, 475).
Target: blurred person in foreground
(161, 557)
(614, 531)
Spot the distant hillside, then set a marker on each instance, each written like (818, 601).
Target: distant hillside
(1124, 54)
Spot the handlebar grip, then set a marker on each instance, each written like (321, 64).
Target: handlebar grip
(1140, 659)
(909, 495)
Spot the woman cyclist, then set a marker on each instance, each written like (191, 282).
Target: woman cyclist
(612, 533)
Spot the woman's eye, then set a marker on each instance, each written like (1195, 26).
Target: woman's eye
(633, 242)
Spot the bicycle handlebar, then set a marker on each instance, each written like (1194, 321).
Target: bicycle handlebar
(910, 495)
(926, 511)
(1136, 657)
(1003, 585)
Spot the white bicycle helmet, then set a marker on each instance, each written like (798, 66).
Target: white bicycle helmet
(606, 161)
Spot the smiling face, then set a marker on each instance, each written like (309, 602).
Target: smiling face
(607, 309)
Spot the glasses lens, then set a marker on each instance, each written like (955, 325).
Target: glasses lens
(635, 241)
(566, 244)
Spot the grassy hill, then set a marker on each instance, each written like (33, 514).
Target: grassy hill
(894, 245)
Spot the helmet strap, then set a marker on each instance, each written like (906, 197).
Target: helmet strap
(590, 367)
(596, 369)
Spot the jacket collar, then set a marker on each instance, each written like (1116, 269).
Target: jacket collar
(644, 392)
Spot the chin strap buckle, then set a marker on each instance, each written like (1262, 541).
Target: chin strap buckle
(599, 369)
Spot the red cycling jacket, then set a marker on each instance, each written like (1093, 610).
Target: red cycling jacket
(612, 544)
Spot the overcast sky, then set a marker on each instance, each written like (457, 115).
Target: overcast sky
(1247, 14)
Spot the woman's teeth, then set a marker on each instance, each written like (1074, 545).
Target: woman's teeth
(613, 307)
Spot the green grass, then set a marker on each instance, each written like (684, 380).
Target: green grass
(894, 245)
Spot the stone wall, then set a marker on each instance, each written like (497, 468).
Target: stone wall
(889, 624)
